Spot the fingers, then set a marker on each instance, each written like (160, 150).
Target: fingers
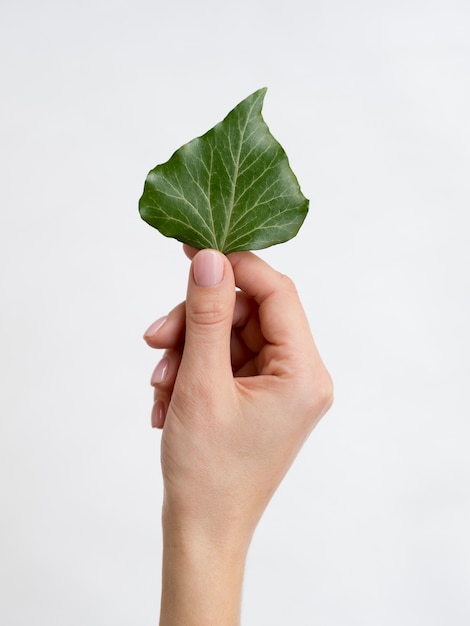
(167, 331)
(246, 322)
(218, 332)
(290, 351)
(189, 251)
(209, 313)
(163, 380)
(281, 314)
(282, 317)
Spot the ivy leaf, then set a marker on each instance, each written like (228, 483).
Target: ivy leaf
(230, 189)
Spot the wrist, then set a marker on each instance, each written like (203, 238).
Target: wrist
(202, 575)
(187, 522)
(224, 535)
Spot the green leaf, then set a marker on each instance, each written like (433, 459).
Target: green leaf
(231, 189)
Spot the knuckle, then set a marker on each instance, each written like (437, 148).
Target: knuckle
(324, 392)
(288, 284)
(320, 397)
(207, 312)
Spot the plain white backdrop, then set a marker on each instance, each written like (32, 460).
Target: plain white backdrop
(371, 101)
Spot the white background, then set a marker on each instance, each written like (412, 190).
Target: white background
(371, 101)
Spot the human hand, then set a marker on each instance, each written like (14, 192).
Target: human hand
(244, 386)
(239, 389)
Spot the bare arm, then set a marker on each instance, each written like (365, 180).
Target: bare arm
(243, 385)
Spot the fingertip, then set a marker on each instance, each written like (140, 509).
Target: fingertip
(210, 305)
(160, 372)
(153, 329)
(208, 268)
(158, 414)
(189, 251)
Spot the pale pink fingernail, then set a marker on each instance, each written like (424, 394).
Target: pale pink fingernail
(159, 373)
(153, 328)
(208, 267)
(158, 414)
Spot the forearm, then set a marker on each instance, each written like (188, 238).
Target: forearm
(244, 387)
(202, 577)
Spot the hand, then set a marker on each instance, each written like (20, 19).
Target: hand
(237, 393)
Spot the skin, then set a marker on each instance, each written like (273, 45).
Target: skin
(237, 393)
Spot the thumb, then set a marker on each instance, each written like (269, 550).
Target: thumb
(210, 302)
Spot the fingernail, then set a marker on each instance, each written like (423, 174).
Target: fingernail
(158, 414)
(159, 373)
(152, 329)
(208, 268)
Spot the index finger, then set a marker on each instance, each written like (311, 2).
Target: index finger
(281, 314)
(282, 317)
